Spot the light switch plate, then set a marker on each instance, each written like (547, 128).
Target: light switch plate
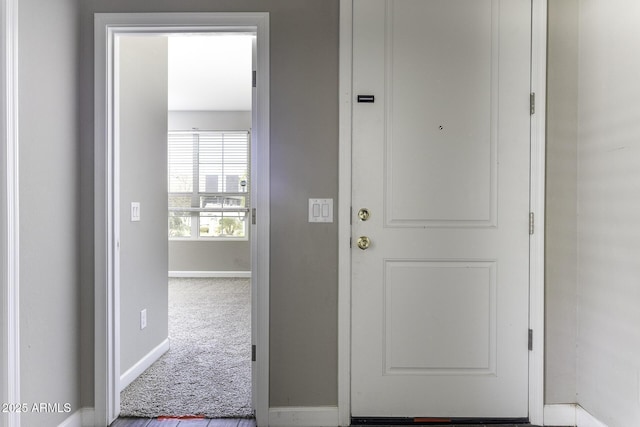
(143, 319)
(320, 210)
(135, 211)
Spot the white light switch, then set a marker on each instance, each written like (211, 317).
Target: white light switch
(143, 319)
(135, 211)
(320, 210)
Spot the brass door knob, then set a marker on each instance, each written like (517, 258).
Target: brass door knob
(364, 242)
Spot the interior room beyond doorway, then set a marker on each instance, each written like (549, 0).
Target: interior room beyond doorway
(208, 128)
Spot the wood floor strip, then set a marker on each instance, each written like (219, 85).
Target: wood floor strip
(201, 423)
(194, 423)
(131, 422)
(228, 422)
(166, 423)
(163, 423)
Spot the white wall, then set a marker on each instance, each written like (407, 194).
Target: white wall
(561, 203)
(608, 338)
(143, 179)
(210, 120)
(49, 209)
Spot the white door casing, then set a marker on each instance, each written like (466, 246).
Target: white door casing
(441, 159)
(107, 26)
(9, 214)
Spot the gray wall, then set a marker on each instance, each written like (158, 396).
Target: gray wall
(209, 255)
(561, 203)
(304, 163)
(608, 343)
(143, 178)
(49, 216)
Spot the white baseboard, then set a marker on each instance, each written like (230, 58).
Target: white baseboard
(213, 274)
(560, 415)
(585, 419)
(74, 420)
(322, 416)
(569, 415)
(142, 365)
(88, 417)
(83, 417)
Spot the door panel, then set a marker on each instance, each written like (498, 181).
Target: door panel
(426, 84)
(441, 160)
(419, 293)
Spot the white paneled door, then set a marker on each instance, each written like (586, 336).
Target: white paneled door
(440, 258)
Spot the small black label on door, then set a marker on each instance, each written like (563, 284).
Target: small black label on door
(366, 98)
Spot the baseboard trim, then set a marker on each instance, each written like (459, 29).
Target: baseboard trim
(134, 372)
(73, 420)
(211, 274)
(88, 417)
(560, 415)
(569, 415)
(585, 419)
(321, 416)
(83, 417)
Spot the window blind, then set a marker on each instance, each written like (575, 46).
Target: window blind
(208, 180)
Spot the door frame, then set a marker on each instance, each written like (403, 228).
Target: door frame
(536, 203)
(9, 218)
(107, 346)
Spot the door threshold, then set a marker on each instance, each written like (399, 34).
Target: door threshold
(432, 421)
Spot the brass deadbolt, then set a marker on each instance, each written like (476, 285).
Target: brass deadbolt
(364, 214)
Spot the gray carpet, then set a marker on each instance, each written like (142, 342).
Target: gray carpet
(207, 371)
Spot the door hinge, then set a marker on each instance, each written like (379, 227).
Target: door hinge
(253, 216)
(531, 223)
(532, 103)
(530, 339)
(254, 78)
(253, 353)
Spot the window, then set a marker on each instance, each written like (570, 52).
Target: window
(208, 185)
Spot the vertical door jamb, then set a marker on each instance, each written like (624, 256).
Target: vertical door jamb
(537, 206)
(9, 218)
(344, 211)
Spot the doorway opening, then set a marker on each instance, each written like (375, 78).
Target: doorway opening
(207, 81)
(228, 211)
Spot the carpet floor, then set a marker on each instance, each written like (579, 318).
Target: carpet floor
(207, 371)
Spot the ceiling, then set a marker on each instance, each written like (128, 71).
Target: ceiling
(210, 72)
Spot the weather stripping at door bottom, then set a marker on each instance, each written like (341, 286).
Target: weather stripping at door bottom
(391, 421)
